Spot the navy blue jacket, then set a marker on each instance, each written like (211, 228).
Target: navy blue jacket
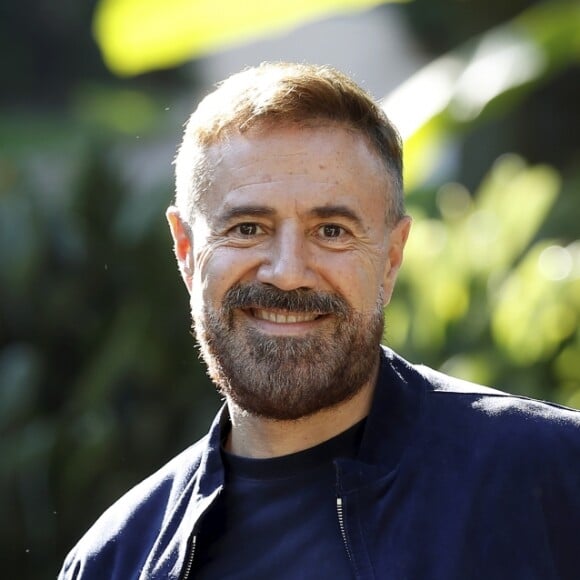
(453, 481)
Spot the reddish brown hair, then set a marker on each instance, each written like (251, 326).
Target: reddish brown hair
(278, 94)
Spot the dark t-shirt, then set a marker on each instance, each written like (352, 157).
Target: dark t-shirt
(277, 518)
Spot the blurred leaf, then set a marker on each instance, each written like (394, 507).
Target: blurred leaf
(532, 316)
(140, 35)
(475, 367)
(20, 243)
(445, 97)
(20, 371)
(424, 150)
(124, 110)
(120, 346)
(512, 203)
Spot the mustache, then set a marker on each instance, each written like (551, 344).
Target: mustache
(266, 297)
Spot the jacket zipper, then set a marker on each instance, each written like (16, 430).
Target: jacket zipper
(340, 513)
(189, 564)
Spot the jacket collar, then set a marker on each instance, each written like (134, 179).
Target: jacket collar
(211, 469)
(397, 403)
(199, 492)
(394, 417)
(391, 424)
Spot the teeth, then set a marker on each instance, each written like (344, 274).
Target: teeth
(284, 318)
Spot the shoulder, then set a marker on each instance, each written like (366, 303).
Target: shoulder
(120, 540)
(460, 413)
(493, 404)
(520, 435)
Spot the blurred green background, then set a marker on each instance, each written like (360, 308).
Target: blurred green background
(99, 379)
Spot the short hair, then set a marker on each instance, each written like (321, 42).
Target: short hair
(283, 94)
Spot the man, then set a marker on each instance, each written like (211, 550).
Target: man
(332, 457)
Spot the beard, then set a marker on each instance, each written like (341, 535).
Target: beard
(288, 377)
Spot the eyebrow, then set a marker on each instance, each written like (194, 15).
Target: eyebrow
(331, 211)
(322, 212)
(232, 213)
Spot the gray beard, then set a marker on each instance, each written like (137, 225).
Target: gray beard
(288, 377)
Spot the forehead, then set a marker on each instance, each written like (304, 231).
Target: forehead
(323, 164)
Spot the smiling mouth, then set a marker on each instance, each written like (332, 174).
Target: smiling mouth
(284, 316)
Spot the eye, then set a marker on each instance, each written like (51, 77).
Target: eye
(331, 231)
(247, 229)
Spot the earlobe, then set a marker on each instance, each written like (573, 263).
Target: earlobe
(183, 244)
(397, 240)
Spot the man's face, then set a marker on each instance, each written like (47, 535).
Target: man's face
(291, 265)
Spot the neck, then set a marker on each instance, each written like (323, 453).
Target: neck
(262, 438)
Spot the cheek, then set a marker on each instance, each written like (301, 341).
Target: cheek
(217, 269)
(358, 281)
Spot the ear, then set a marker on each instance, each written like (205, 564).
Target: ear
(397, 240)
(183, 244)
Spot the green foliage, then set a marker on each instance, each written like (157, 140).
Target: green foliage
(99, 380)
(482, 296)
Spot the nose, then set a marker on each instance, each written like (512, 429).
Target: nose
(287, 265)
